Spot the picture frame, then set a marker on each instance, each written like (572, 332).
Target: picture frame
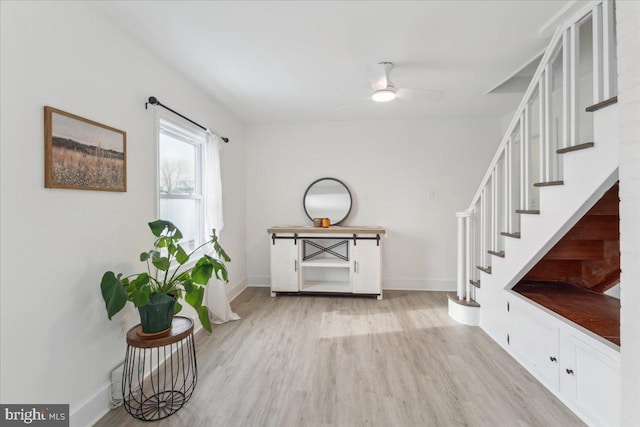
(81, 154)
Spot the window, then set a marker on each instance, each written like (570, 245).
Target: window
(180, 180)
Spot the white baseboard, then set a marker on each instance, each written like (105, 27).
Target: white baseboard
(259, 281)
(89, 412)
(418, 285)
(234, 290)
(387, 284)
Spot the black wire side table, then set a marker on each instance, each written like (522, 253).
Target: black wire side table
(160, 371)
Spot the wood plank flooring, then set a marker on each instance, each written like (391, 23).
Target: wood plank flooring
(343, 361)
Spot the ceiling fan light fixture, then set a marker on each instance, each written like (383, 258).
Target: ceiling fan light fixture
(384, 95)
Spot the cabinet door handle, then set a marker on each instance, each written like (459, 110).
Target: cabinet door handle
(553, 359)
(569, 371)
(355, 266)
(295, 265)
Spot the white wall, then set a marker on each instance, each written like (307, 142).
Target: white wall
(628, 34)
(57, 344)
(391, 168)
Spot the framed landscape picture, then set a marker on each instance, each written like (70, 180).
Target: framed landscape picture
(82, 154)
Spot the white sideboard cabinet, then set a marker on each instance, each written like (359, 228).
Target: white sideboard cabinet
(329, 260)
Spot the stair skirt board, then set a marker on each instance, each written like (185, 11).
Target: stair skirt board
(467, 313)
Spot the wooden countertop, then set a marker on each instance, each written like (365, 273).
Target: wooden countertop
(334, 229)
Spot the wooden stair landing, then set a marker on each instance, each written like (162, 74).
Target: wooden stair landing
(593, 311)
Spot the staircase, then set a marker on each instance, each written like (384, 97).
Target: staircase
(558, 158)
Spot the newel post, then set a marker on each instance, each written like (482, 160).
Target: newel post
(462, 254)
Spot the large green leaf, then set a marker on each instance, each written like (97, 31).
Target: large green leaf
(157, 227)
(202, 271)
(177, 307)
(217, 248)
(221, 271)
(188, 285)
(203, 315)
(140, 297)
(160, 262)
(177, 235)
(181, 255)
(194, 298)
(113, 293)
(171, 247)
(140, 281)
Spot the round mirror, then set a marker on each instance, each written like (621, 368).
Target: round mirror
(327, 198)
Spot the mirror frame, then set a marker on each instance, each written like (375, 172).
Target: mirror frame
(304, 198)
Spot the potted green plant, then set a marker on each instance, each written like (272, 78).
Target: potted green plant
(155, 292)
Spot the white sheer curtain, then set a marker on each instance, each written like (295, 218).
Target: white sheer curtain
(216, 297)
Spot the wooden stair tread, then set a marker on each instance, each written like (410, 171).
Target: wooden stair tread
(596, 312)
(602, 104)
(528, 211)
(475, 283)
(554, 270)
(512, 235)
(454, 298)
(485, 269)
(575, 148)
(567, 249)
(595, 227)
(548, 183)
(497, 253)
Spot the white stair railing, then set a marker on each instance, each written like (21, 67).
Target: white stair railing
(562, 89)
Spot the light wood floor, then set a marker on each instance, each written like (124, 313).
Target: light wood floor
(319, 360)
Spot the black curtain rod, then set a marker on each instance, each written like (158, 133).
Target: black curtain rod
(154, 101)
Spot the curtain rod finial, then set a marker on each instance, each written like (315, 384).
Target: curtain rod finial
(153, 100)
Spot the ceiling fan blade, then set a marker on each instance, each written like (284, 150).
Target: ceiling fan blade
(360, 101)
(428, 95)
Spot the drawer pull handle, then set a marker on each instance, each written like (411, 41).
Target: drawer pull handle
(569, 371)
(553, 359)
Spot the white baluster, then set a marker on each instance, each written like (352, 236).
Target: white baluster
(494, 209)
(506, 188)
(548, 122)
(460, 255)
(542, 123)
(608, 50)
(566, 82)
(596, 21)
(469, 263)
(525, 147)
(509, 185)
(483, 226)
(573, 92)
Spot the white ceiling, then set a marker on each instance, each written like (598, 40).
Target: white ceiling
(298, 61)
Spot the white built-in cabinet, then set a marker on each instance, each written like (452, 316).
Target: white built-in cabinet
(328, 260)
(579, 368)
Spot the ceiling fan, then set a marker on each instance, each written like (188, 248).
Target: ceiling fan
(384, 90)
